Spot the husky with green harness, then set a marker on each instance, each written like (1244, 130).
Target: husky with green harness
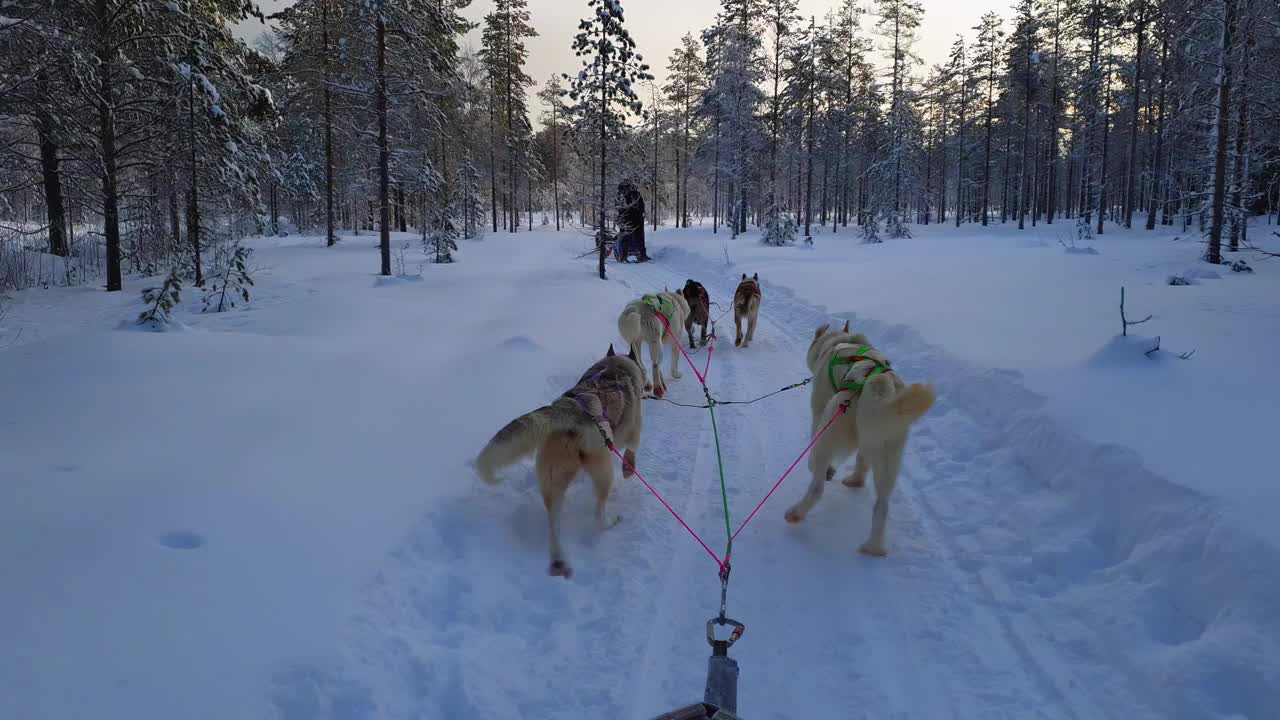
(870, 411)
(655, 320)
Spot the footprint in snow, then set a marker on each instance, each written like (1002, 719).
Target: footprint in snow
(181, 540)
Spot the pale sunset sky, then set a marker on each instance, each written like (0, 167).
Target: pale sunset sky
(658, 25)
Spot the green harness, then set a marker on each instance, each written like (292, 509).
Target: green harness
(856, 357)
(660, 305)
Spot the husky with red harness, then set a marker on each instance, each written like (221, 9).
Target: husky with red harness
(870, 410)
(655, 320)
(746, 307)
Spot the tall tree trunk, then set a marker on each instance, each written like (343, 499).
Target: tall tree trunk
(656, 206)
(555, 164)
(1222, 131)
(107, 143)
(1023, 188)
(175, 221)
(1239, 213)
(1105, 130)
(1051, 193)
(331, 235)
(493, 165)
(384, 151)
(1157, 172)
(960, 149)
(51, 176)
(942, 169)
(986, 162)
(1004, 177)
(1130, 182)
(193, 212)
(604, 148)
(715, 182)
(808, 183)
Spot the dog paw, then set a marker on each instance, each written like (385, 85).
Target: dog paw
(648, 387)
(831, 473)
(794, 516)
(560, 568)
(610, 522)
(873, 549)
(855, 481)
(659, 391)
(677, 375)
(737, 342)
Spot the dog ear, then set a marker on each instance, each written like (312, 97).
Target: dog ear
(632, 354)
(744, 276)
(755, 276)
(846, 326)
(611, 353)
(821, 331)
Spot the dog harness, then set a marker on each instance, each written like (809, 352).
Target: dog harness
(662, 306)
(858, 356)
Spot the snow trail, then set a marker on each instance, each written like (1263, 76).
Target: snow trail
(1031, 574)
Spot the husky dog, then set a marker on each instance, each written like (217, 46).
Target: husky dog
(746, 306)
(818, 361)
(882, 409)
(699, 310)
(639, 323)
(575, 433)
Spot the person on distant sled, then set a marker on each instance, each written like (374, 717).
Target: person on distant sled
(630, 223)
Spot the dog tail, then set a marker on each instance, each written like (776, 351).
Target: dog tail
(913, 402)
(522, 436)
(896, 410)
(629, 324)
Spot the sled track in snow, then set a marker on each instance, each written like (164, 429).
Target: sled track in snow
(1031, 574)
(1098, 589)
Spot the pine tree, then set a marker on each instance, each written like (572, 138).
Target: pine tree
(801, 98)
(603, 89)
(898, 23)
(685, 84)
(735, 69)
(504, 55)
(985, 64)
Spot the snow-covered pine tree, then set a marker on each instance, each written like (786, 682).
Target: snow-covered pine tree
(898, 23)
(736, 66)
(229, 284)
(160, 302)
(551, 97)
(800, 68)
(504, 55)
(985, 62)
(686, 73)
(602, 91)
(309, 32)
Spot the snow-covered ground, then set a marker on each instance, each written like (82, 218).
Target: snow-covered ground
(270, 513)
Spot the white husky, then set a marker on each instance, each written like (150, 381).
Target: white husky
(882, 409)
(639, 323)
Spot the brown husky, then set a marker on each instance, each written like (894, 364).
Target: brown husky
(572, 434)
(746, 306)
(882, 409)
(699, 310)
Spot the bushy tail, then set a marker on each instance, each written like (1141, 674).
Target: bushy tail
(913, 402)
(890, 410)
(629, 325)
(521, 437)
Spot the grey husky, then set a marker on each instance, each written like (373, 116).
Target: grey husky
(573, 433)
